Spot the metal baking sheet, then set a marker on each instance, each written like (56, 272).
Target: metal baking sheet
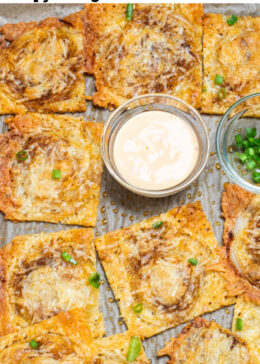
(119, 208)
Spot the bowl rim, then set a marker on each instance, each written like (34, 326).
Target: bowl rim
(164, 192)
(236, 178)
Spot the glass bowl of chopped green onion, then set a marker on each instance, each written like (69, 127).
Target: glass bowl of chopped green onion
(238, 142)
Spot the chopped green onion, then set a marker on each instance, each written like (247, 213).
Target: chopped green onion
(256, 176)
(239, 324)
(238, 139)
(222, 93)
(251, 141)
(134, 349)
(250, 152)
(251, 132)
(249, 147)
(129, 12)
(204, 89)
(219, 80)
(68, 258)
(56, 173)
(33, 344)
(22, 155)
(242, 157)
(232, 20)
(245, 144)
(138, 308)
(251, 165)
(157, 225)
(193, 261)
(94, 280)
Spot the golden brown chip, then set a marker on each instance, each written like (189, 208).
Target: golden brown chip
(206, 342)
(158, 51)
(61, 339)
(42, 68)
(233, 53)
(65, 338)
(164, 269)
(249, 313)
(28, 191)
(37, 282)
(241, 210)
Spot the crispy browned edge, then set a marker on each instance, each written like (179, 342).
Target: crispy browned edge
(10, 250)
(174, 343)
(234, 199)
(11, 32)
(8, 144)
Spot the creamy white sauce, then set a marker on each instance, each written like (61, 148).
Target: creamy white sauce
(156, 150)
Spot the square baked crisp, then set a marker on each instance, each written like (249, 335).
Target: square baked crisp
(65, 338)
(231, 52)
(29, 191)
(158, 51)
(41, 67)
(163, 265)
(203, 341)
(241, 210)
(38, 283)
(249, 313)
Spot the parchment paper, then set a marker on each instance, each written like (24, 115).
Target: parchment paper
(119, 208)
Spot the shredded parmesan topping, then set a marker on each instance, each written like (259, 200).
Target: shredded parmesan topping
(154, 52)
(43, 64)
(36, 194)
(211, 345)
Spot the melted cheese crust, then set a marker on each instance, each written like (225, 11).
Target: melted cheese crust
(249, 312)
(158, 51)
(27, 190)
(241, 211)
(204, 342)
(38, 284)
(232, 52)
(66, 338)
(42, 68)
(62, 339)
(136, 258)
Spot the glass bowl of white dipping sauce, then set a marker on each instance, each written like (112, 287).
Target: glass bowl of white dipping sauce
(155, 145)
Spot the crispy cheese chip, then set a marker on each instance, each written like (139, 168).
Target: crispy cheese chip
(249, 313)
(50, 169)
(241, 210)
(65, 338)
(206, 342)
(38, 283)
(231, 52)
(165, 268)
(41, 69)
(158, 51)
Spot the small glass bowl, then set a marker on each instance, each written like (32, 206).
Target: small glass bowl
(151, 102)
(235, 121)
